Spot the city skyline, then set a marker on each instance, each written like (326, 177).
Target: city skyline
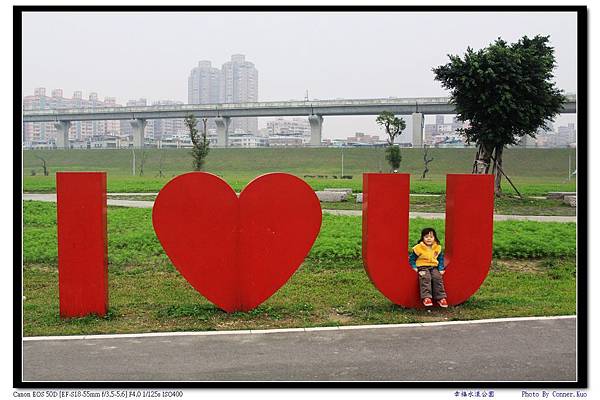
(330, 55)
(278, 131)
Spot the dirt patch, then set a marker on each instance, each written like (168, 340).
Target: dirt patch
(41, 268)
(232, 325)
(334, 316)
(527, 266)
(433, 316)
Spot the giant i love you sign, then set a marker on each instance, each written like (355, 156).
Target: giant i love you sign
(237, 251)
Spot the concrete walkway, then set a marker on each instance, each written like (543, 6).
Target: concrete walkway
(497, 217)
(512, 349)
(51, 197)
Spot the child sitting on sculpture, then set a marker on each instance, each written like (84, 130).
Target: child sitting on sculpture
(427, 259)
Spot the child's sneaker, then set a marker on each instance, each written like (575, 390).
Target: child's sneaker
(427, 302)
(443, 303)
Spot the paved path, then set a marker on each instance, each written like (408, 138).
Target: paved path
(51, 197)
(497, 217)
(518, 349)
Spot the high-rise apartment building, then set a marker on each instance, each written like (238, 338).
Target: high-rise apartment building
(79, 130)
(239, 84)
(236, 82)
(204, 84)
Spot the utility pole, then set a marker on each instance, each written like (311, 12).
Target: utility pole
(342, 162)
(133, 164)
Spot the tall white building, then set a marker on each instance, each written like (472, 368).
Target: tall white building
(204, 84)
(239, 84)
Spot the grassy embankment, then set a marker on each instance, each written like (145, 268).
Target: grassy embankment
(533, 273)
(534, 171)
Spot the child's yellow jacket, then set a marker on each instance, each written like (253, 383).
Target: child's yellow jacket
(425, 256)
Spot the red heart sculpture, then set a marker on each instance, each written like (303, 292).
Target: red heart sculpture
(236, 252)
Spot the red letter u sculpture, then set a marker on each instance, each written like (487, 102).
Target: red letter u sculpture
(467, 243)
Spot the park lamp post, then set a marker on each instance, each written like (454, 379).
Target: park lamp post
(342, 162)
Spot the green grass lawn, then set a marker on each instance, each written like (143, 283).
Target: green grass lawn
(534, 171)
(300, 161)
(533, 273)
(506, 205)
(132, 241)
(153, 299)
(436, 185)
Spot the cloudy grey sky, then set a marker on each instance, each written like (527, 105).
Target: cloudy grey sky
(332, 55)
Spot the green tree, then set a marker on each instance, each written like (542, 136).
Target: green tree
(393, 128)
(504, 91)
(426, 161)
(44, 164)
(200, 142)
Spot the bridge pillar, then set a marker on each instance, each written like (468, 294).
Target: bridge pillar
(223, 131)
(316, 125)
(138, 126)
(417, 129)
(62, 134)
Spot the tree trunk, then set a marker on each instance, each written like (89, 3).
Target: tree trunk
(482, 159)
(43, 165)
(497, 170)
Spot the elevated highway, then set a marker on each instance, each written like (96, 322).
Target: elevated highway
(315, 110)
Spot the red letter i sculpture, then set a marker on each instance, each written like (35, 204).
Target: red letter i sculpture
(82, 243)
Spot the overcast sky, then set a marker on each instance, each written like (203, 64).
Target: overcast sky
(332, 55)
